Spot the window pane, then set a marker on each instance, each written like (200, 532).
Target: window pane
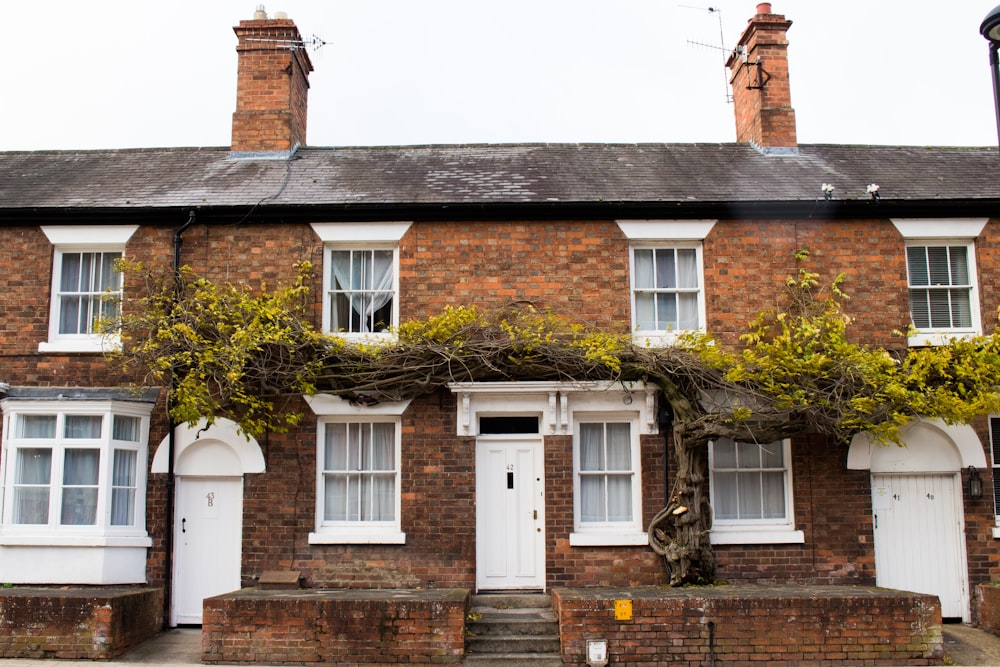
(383, 447)
(591, 447)
(123, 487)
(724, 453)
(619, 447)
(72, 267)
(34, 466)
(335, 448)
(666, 270)
(773, 495)
(619, 497)
(36, 426)
(340, 275)
(748, 455)
(920, 309)
(645, 311)
(959, 260)
(666, 312)
(724, 498)
(916, 262)
(939, 266)
(80, 427)
(81, 466)
(126, 429)
(72, 309)
(335, 498)
(687, 311)
(643, 268)
(961, 310)
(749, 495)
(31, 505)
(772, 455)
(687, 268)
(592, 498)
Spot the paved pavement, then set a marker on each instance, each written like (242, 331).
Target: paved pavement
(964, 646)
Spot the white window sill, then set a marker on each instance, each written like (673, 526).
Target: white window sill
(657, 338)
(607, 539)
(357, 536)
(50, 540)
(757, 536)
(934, 338)
(98, 345)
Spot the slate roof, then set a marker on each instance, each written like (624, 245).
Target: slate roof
(486, 175)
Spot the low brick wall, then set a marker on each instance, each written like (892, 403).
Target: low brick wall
(335, 626)
(739, 625)
(79, 623)
(988, 607)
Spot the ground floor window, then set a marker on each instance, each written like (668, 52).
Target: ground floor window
(74, 468)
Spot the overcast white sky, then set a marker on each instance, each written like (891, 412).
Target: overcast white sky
(134, 73)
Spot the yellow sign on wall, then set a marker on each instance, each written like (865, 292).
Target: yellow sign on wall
(623, 610)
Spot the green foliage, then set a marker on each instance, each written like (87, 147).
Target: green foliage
(239, 352)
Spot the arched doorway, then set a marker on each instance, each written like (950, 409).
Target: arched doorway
(918, 518)
(209, 464)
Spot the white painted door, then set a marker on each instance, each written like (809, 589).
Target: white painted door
(920, 539)
(510, 513)
(208, 535)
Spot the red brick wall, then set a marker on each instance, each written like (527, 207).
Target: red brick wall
(77, 624)
(740, 625)
(335, 627)
(579, 268)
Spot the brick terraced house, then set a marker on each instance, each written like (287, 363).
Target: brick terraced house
(483, 486)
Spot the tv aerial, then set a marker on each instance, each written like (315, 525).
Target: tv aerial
(721, 46)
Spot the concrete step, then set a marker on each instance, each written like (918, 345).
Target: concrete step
(512, 600)
(494, 644)
(503, 659)
(512, 624)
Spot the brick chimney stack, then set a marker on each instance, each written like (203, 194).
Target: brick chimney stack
(759, 77)
(272, 87)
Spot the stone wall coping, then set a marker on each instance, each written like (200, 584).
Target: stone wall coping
(735, 591)
(358, 594)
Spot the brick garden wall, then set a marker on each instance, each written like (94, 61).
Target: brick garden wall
(77, 623)
(329, 627)
(747, 625)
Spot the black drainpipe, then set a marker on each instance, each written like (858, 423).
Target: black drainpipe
(168, 538)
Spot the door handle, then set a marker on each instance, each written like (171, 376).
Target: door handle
(536, 515)
(183, 525)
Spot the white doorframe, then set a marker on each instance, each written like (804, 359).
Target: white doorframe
(510, 512)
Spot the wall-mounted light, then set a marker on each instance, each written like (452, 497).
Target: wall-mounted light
(873, 192)
(827, 189)
(975, 483)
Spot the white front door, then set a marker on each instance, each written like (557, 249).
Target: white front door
(208, 535)
(510, 513)
(920, 538)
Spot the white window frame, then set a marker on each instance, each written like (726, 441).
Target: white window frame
(359, 236)
(757, 531)
(994, 463)
(938, 233)
(334, 410)
(608, 533)
(665, 234)
(54, 533)
(81, 239)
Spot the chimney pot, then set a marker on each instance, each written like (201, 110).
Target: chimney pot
(261, 15)
(763, 7)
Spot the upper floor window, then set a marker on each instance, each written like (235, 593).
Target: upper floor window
(361, 277)
(362, 291)
(943, 295)
(666, 289)
(941, 277)
(86, 286)
(751, 492)
(667, 277)
(74, 470)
